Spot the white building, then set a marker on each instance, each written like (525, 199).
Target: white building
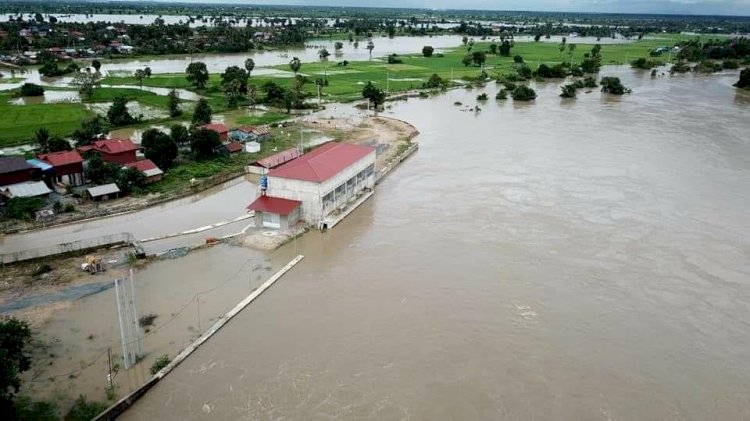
(322, 181)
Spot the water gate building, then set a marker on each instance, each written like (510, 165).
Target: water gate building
(323, 181)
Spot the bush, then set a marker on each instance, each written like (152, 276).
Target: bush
(160, 363)
(612, 85)
(523, 93)
(393, 59)
(680, 67)
(707, 66)
(558, 71)
(435, 81)
(69, 208)
(644, 64)
(731, 64)
(83, 410)
(30, 89)
(589, 82)
(482, 97)
(501, 95)
(744, 81)
(569, 90)
(23, 207)
(427, 51)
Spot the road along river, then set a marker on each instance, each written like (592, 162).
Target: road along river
(571, 259)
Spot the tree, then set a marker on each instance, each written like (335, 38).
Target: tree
(197, 74)
(15, 339)
(471, 43)
(338, 45)
(323, 53)
(274, 92)
(235, 73)
(517, 59)
(295, 64)
(493, 48)
(96, 64)
(86, 82)
(568, 91)
(130, 179)
(370, 47)
(375, 95)
(465, 40)
(744, 81)
(571, 50)
(58, 144)
(427, 51)
(252, 95)
(478, 58)
(501, 95)
(537, 37)
(202, 113)
(41, 139)
(19, 208)
(612, 85)
(101, 172)
(173, 103)
(356, 44)
(467, 60)
(159, 148)
(90, 129)
(523, 93)
(147, 72)
(140, 74)
(30, 89)
(233, 92)
(561, 47)
(249, 66)
(504, 49)
(179, 134)
(118, 114)
(204, 142)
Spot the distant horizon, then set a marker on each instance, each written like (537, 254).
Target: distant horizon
(729, 8)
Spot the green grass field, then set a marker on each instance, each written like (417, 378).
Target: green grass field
(19, 122)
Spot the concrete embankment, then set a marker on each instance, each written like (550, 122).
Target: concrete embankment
(123, 404)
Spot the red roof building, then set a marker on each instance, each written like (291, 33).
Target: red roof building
(148, 168)
(15, 169)
(275, 212)
(234, 147)
(219, 128)
(322, 163)
(67, 165)
(116, 151)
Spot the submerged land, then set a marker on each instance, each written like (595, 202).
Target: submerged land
(505, 180)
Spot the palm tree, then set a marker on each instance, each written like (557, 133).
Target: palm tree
(249, 65)
(370, 46)
(41, 138)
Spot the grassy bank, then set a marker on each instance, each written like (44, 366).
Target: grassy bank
(19, 122)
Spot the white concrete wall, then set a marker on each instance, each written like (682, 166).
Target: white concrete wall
(311, 194)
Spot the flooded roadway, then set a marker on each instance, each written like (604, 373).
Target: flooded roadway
(217, 204)
(581, 259)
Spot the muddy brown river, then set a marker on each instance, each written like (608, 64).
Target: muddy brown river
(583, 259)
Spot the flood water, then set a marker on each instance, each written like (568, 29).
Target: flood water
(583, 259)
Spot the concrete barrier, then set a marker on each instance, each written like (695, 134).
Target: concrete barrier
(123, 238)
(123, 404)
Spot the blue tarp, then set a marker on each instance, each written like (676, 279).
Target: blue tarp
(39, 164)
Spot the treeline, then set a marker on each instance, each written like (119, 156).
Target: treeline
(714, 49)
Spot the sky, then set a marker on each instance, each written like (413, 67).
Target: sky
(702, 7)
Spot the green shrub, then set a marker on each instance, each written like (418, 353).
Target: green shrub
(160, 363)
(612, 85)
(523, 93)
(501, 95)
(83, 410)
(482, 97)
(30, 89)
(23, 207)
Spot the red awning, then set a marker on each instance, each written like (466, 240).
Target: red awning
(275, 205)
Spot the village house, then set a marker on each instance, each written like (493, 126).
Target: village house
(14, 169)
(321, 181)
(219, 128)
(148, 168)
(229, 148)
(250, 133)
(67, 167)
(116, 151)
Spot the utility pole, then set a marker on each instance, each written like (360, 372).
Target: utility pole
(387, 82)
(109, 377)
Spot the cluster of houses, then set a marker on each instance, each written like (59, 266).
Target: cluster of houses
(58, 171)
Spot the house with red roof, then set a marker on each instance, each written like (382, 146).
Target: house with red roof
(148, 168)
(219, 128)
(324, 181)
(67, 167)
(116, 151)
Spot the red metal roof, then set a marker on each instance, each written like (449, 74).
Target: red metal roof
(275, 205)
(59, 159)
(115, 146)
(216, 127)
(258, 130)
(142, 165)
(233, 147)
(322, 163)
(275, 160)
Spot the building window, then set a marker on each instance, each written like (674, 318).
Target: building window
(328, 200)
(370, 170)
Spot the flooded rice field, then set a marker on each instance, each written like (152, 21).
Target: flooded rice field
(572, 259)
